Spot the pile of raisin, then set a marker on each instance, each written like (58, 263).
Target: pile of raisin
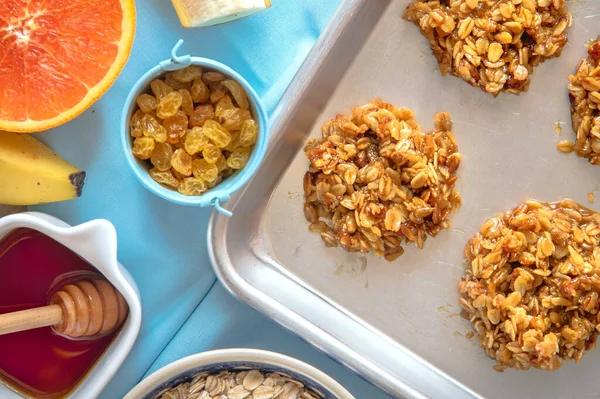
(195, 128)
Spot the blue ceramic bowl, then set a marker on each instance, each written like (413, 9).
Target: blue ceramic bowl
(237, 360)
(221, 192)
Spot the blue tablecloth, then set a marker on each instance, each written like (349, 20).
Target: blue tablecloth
(164, 245)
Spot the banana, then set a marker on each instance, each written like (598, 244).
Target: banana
(198, 13)
(31, 173)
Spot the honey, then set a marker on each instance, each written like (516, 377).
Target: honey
(41, 363)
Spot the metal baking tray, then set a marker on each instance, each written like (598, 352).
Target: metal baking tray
(397, 324)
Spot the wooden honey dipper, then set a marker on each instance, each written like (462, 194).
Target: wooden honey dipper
(82, 309)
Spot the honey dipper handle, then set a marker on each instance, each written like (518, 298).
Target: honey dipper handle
(30, 319)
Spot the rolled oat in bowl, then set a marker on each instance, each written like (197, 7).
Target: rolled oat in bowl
(251, 384)
(584, 93)
(376, 181)
(492, 44)
(531, 285)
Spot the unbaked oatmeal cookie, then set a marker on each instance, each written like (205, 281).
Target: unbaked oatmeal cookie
(377, 181)
(492, 44)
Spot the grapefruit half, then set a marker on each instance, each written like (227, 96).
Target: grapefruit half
(57, 57)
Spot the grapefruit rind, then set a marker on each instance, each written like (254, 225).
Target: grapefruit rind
(125, 45)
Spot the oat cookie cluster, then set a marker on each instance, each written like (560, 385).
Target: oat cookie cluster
(492, 44)
(532, 283)
(377, 181)
(584, 93)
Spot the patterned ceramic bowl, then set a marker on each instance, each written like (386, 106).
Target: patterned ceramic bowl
(238, 360)
(222, 191)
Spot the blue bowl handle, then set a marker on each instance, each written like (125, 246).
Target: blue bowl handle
(220, 209)
(176, 61)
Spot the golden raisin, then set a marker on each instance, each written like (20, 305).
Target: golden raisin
(217, 92)
(212, 77)
(223, 104)
(211, 184)
(176, 126)
(201, 114)
(151, 127)
(200, 92)
(238, 93)
(216, 133)
(204, 170)
(164, 177)
(195, 140)
(234, 143)
(221, 163)
(211, 153)
(146, 102)
(135, 124)
(161, 156)
(178, 175)
(187, 104)
(169, 105)
(232, 119)
(192, 186)
(188, 74)
(143, 147)
(181, 161)
(176, 84)
(160, 88)
(238, 158)
(249, 133)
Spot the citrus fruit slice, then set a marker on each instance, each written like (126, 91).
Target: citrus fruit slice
(198, 13)
(57, 57)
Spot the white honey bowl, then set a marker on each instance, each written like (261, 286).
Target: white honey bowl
(96, 242)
